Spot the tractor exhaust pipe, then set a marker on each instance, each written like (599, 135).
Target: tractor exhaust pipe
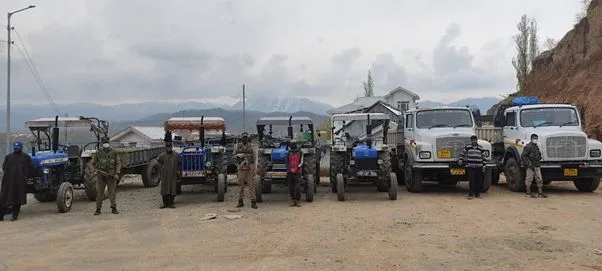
(55, 135)
(290, 127)
(202, 132)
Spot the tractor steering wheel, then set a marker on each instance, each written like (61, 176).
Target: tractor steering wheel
(64, 148)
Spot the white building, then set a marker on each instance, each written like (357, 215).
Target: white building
(398, 98)
(140, 136)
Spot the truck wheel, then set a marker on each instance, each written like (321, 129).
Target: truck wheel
(65, 197)
(487, 179)
(90, 183)
(311, 184)
(150, 176)
(221, 187)
(413, 178)
(587, 185)
(340, 187)
(393, 187)
(45, 197)
(258, 187)
(514, 176)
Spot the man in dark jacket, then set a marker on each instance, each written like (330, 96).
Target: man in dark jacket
(169, 170)
(531, 158)
(17, 167)
(473, 157)
(294, 165)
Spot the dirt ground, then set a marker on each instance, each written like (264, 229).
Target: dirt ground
(436, 230)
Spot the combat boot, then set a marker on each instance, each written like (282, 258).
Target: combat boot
(528, 195)
(114, 210)
(240, 204)
(254, 204)
(97, 211)
(542, 195)
(293, 203)
(297, 203)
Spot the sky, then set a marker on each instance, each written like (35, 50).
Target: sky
(115, 51)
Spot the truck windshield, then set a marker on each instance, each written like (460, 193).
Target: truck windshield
(443, 118)
(552, 116)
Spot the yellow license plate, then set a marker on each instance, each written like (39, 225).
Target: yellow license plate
(571, 172)
(278, 174)
(444, 154)
(457, 171)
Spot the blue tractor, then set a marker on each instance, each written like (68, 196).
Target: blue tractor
(272, 152)
(360, 153)
(199, 162)
(60, 168)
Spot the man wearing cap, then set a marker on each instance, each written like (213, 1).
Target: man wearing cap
(169, 171)
(474, 159)
(107, 164)
(17, 167)
(531, 158)
(245, 156)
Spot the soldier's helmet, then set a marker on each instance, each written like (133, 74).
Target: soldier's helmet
(244, 134)
(104, 140)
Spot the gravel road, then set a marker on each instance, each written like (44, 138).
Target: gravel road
(436, 230)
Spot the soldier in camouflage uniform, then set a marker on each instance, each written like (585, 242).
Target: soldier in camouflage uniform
(531, 158)
(245, 157)
(107, 164)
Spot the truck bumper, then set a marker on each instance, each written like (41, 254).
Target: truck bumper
(570, 171)
(445, 171)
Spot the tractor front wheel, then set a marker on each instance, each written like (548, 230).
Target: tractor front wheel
(65, 197)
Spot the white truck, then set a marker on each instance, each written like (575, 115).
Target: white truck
(433, 141)
(567, 153)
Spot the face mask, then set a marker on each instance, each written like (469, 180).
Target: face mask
(245, 140)
(534, 141)
(105, 145)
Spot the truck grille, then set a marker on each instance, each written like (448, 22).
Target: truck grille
(566, 146)
(454, 144)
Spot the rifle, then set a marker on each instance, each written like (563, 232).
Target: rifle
(104, 174)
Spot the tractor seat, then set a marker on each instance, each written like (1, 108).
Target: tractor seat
(74, 151)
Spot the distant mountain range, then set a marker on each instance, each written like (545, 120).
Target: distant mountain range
(482, 103)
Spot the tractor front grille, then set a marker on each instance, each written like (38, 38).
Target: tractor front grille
(454, 145)
(366, 164)
(566, 147)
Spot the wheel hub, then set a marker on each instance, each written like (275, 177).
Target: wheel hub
(69, 198)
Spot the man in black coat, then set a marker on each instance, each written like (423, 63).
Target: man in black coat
(18, 167)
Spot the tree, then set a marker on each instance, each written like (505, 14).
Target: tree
(368, 86)
(583, 12)
(549, 44)
(527, 49)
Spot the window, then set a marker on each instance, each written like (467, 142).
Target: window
(403, 106)
(440, 118)
(409, 121)
(511, 119)
(551, 116)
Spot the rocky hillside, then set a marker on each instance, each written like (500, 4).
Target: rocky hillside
(572, 72)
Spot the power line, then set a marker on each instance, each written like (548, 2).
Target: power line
(36, 75)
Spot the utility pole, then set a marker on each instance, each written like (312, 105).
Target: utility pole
(8, 30)
(244, 113)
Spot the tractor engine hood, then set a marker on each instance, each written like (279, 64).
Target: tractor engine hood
(279, 154)
(362, 151)
(48, 159)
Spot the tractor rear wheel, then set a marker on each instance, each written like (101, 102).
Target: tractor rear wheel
(340, 187)
(90, 183)
(258, 193)
(393, 187)
(310, 189)
(221, 187)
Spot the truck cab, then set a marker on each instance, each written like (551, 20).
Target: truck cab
(567, 153)
(433, 140)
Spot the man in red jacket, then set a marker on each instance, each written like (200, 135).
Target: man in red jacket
(294, 165)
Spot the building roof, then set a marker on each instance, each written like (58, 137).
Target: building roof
(387, 106)
(150, 133)
(358, 104)
(397, 89)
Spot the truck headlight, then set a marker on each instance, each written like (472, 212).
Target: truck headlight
(487, 153)
(379, 161)
(46, 171)
(595, 153)
(208, 164)
(424, 155)
(352, 162)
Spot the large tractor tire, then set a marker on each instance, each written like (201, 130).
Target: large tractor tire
(317, 169)
(514, 175)
(90, 183)
(487, 180)
(337, 166)
(310, 189)
(587, 185)
(413, 178)
(45, 196)
(393, 187)
(382, 185)
(221, 187)
(258, 186)
(340, 187)
(64, 199)
(262, 166)
(309, 167)
(151, 175)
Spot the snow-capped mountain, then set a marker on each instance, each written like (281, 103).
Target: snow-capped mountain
(283, 104)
